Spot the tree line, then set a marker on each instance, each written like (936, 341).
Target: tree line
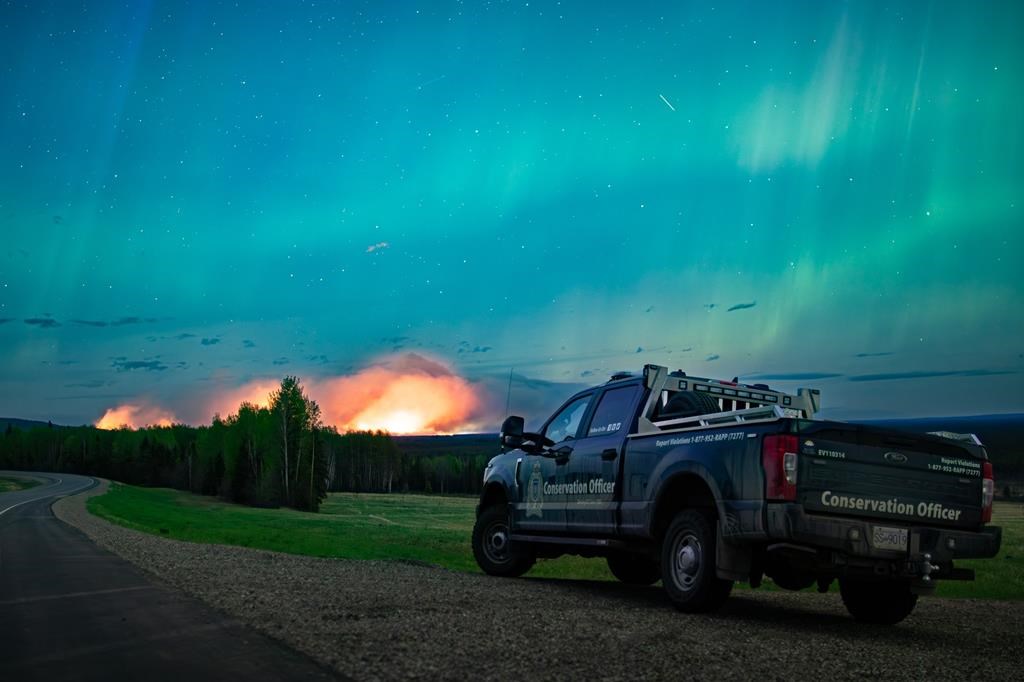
(279, 455)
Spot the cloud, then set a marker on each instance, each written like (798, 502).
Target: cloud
(135, 416)
(475, 349)
(280, 361)
(42, 322)
(639, 349)
(890, 376)
(795, 376)
(377, 247)
(120, 322)
(210, 341)
(186, 335)
(122, 364)
(871, 355)
(710, 306)
(319, 359)
(5, 320)
(246, 343)
(712, 358)
(741, 306)
(649, 309)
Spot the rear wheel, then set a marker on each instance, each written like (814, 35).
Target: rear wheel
(634, 569)
(883, 603)
(688, 564)
(493, 548)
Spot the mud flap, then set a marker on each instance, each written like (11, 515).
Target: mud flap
(732, 561)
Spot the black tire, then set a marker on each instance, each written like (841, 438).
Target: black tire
(689, 404)
(881, 603)
(634, 569)
(492, 549)
(688, 564)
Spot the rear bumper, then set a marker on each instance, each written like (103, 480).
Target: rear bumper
(790, 523)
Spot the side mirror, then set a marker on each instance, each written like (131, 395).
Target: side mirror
(512, 432)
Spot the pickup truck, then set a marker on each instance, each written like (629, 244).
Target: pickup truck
(700, 483)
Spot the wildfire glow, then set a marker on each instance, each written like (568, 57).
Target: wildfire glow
(397, 399)
(255, 393)
(134, 416)
(403, 394)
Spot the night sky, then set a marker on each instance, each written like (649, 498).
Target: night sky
(198, 198)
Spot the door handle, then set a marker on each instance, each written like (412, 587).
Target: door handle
(609, 454)
(562, 454)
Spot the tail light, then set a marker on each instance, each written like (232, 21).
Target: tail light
(778, 456)
(988, 491)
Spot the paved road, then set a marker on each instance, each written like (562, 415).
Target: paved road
(70, 610)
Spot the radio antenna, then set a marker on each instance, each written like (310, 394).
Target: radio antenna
(508, 395)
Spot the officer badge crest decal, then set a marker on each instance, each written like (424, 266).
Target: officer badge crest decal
(534, 495)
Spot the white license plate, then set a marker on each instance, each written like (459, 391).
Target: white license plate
(883, 537)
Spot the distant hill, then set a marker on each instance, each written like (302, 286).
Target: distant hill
(460, 445)
(24, 424)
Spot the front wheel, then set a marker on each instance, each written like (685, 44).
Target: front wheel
(688, 564)
(882, 603)
(634, 569)
(492, 546)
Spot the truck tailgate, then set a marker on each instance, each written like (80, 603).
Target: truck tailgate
(866, 471)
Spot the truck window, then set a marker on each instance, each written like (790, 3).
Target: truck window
(612, 411)
(566, 423)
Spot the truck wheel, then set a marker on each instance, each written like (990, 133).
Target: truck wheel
(634, 569)
(883, 603)
(688, 564)
(492, 548)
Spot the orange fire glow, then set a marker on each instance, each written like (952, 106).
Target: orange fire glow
(255, 393)
(135, 416)
(402, 394)
(397, 399)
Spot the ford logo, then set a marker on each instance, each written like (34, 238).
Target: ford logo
(895, 457)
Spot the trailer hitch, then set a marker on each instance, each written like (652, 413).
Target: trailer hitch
(923, 567)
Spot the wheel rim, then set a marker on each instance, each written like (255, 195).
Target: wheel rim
(687, 561)
(496, 542)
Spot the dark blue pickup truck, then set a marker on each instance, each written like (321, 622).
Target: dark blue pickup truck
(700, 483)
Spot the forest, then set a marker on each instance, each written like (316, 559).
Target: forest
(279, 455)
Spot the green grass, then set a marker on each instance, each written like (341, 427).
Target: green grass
(10, 485)
(1001, 577)
(424, 528)
(434, 530)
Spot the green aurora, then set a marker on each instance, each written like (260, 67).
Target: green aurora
(195, 195)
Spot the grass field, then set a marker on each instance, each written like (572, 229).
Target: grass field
(430, 529)
(10, 485)
(424, 528)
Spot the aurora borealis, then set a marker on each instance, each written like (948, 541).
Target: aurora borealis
(197, 197)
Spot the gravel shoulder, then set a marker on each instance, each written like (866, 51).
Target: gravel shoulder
(375, 620)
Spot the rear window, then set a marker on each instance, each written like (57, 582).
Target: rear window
(613, 411)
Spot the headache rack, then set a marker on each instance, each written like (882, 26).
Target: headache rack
(739, 403)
